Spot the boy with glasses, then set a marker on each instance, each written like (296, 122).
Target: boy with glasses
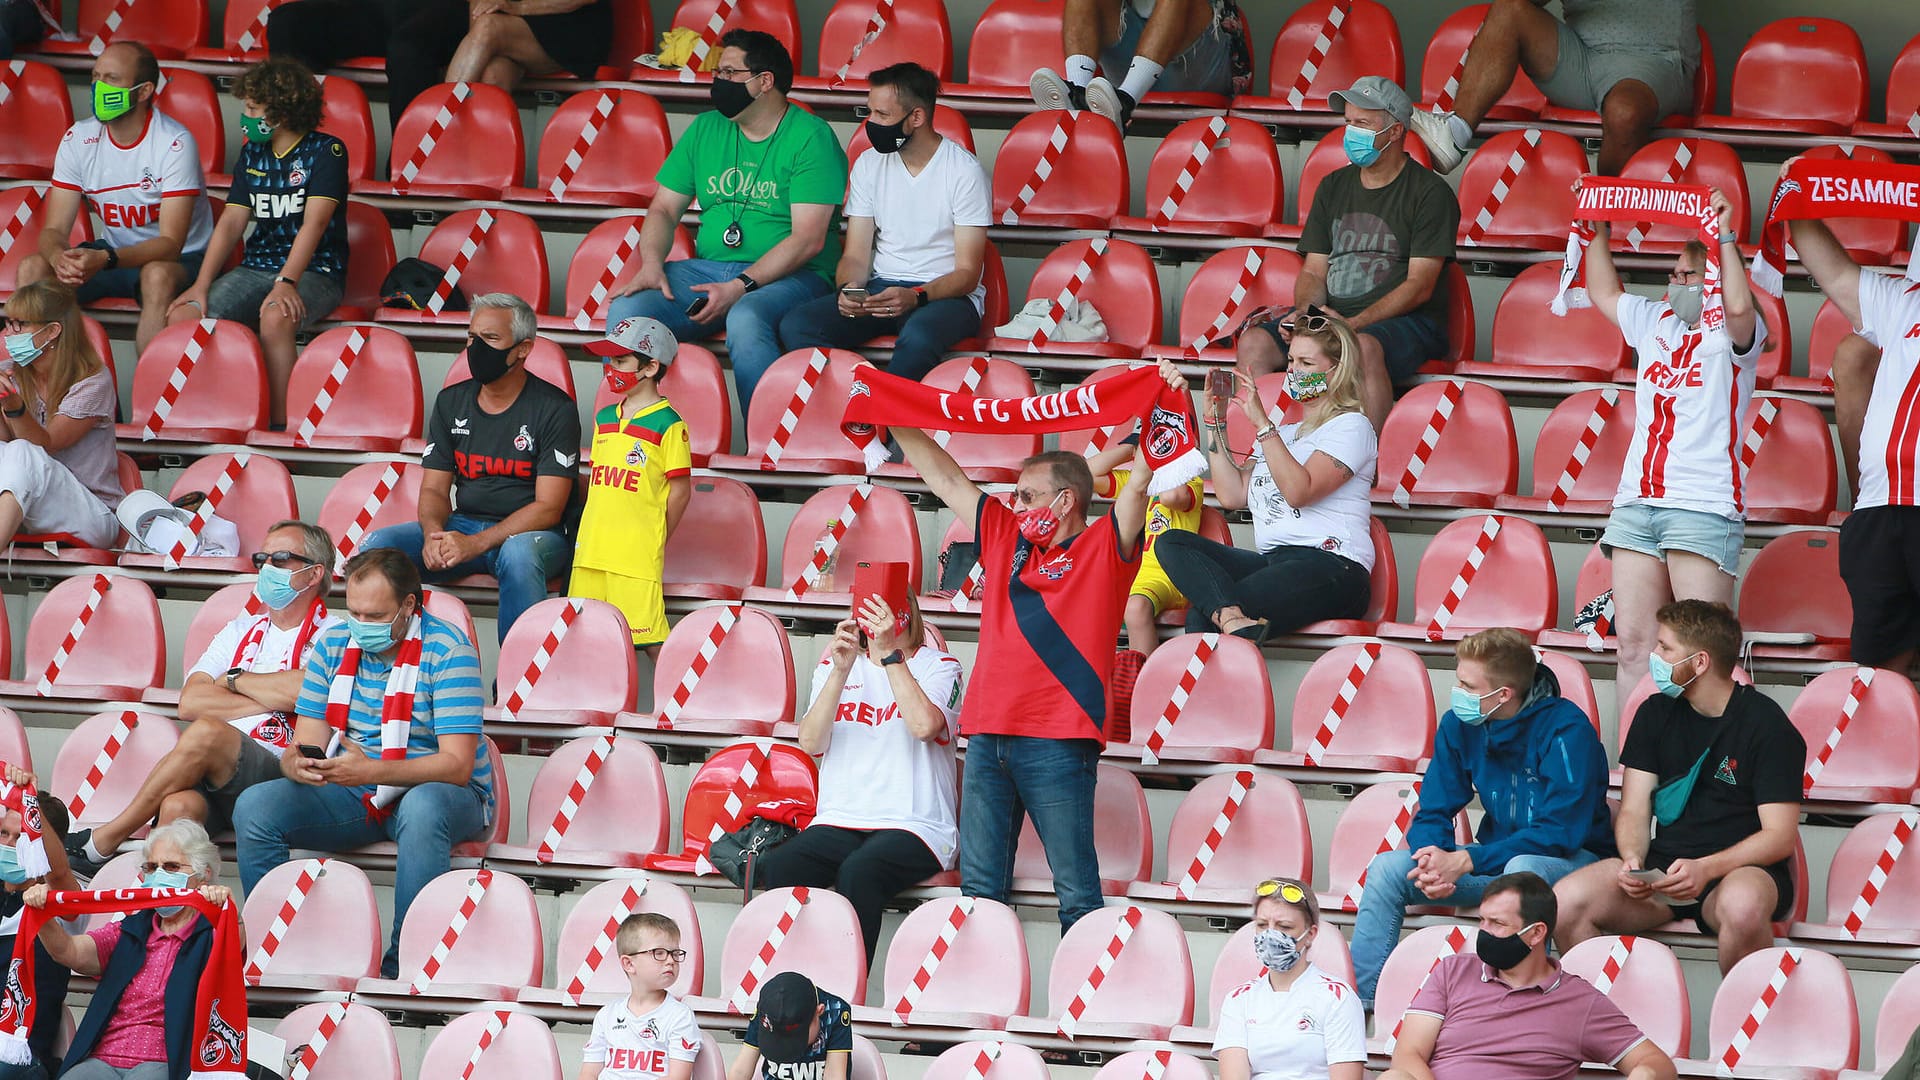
(649, 1033)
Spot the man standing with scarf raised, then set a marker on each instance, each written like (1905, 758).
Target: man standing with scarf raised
(1052, 598)
(391, 704)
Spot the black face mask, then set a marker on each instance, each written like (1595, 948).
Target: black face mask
(1502, 953)
(887, 138)
(488, 363)
(731, 98)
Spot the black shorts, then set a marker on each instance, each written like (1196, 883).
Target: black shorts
(1880, 562)
(1782, 875)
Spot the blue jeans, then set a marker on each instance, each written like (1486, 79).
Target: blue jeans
(925, 334)
(1384, 902)
(524, 564)
(1050, 781)
(428, 820)
(752, 325)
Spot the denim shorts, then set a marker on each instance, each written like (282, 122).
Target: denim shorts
(1655, 530)
(1206, 67)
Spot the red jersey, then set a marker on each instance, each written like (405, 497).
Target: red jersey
(1049, 622)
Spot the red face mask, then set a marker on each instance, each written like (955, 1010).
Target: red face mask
(1039, 523)
(621, 382)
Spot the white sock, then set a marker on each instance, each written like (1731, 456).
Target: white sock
(1141, 75)
(1080, 69)
(1462, 134)
(94, 853)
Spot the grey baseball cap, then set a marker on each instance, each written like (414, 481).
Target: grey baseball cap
(1375, 92)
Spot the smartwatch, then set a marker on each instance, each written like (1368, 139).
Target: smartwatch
(892, 658)
(232, 674)
(743, 279)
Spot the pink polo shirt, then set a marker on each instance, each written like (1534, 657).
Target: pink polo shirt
(1492, 1031)
(137, 1031)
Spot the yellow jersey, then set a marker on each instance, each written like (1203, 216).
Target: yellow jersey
(623, 529)
(1161, 517)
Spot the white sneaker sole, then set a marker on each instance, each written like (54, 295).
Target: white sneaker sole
(1104, 100)
(1049, 90)
(1433, 130)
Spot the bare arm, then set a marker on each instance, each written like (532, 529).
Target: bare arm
(1233, 1063)
(1646, 1062)
(1413, 1050)
(78, 953)
(549, 505)
(816, 727)
(809, 236)
(1633, 824)
(856, 253)
(969, 261)
(525, 8)
(58, 433)
(1603, 278)
(436, 500)
(1423, 276)
(227, 231)
(591, 1070)
(58, 214)
(1835, 271)
(940, 471)
(924, 719)
(1130, 509)
(745, 1064)
(207, 698)
(1347, 1070)
(1736, 293)
(176, 217)
(1310, 287)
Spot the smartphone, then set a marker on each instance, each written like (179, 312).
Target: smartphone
(888, 581)
(1648, 876)
(1220, 384)
(855, 293)
(699, 305)
(314, 752)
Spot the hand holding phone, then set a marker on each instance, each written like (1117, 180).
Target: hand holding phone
(307, 750)
(699, 304)
(1648, 876)
(855, 293)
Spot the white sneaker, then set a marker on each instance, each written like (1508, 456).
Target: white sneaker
(1433, 130)
(1104, 99)
(1050, 90)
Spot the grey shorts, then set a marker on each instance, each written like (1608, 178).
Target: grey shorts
(1582, 77)
(257, 766)
(238, 294)
(1204, 67)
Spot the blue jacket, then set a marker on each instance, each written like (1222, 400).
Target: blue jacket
(1541, 775)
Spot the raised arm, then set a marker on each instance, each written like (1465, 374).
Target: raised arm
(1832, 268)
(940, 471)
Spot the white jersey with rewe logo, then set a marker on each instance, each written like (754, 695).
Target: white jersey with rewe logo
(1890, 437)
(123, 185)
(1690, 407)
(641, 1047)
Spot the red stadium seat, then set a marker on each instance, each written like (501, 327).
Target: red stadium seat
(1899, 1018)
(950, 122)
(1534, 211)
(243, 34)
(1367, 43)
(1830, 327)
(524, 1049)
(1238, 190)
(816, 444)
(1515, 585)
(1776, 358)
(1878, 756)
(1327, 155)
(1869, 241)
(1575, 684)
(497, 954)
(334, 940)
(262, 495)
(632, 38)
(152, 738)
(777, 17)
(1016, 1061)
(1596, 577)
(377, 408)
(588, 917)
(510, 258)
(1903, 99)
(34, 113)
(1088, 185)
(1712, 163)
(346, 116)
(478, 155)
(168, 27)
(1122, 838)
(735, 696)
(1383, 592)
(1793, 587)
(1475, 460)
(1137, 1063)
(623, 816)
(361, 1047)
(13, 740)
(121, 651)
(1794, 478)
(19, 239)
(915, 30)
(789, 774)
(1555, 448)
(192, 99)
(225, 395)
(1210, 294)
(823, 942)
(1522, 101)
(1406, 971)
(1649, 986)
(1013, 39)
(1799, 75)
(884, 531)
(1387, 728)
(1123, 288)
(1871, 879)
(981, 979)
(209, 618)
(719, 550)
(1227, 712)
(985, 458)
(348, 497)
(591, 260)
(698, 389)
(370, 258)
(1268, 838)
(1530, 342)
(591, 677)
(1147, 991)
(1357, 835)
(1236, 966)
(1813, 1024)
(617, 168)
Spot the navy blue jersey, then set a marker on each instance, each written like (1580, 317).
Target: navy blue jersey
(276, 189)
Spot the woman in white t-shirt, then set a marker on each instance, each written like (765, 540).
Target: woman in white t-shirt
(59, 472)
(882, 721)
(1307, 484)
(1293, 1021)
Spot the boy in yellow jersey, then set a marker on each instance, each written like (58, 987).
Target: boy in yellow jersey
(1152, 592)
(639, 485)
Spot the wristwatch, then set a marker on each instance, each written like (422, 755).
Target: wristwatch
(232, 674)
(743, 279)
(282, 279)
(920, 291)
(1728, 238)
(892, 658)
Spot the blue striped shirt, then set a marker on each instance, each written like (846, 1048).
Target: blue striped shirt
(447, 699)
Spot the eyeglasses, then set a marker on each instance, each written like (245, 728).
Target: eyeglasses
(733, 74)
(1290, 891)
(1682, 275)
(282, 560)
(662, 955)
(1031, 498)
(170, 867)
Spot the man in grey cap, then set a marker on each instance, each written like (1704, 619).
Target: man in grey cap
(1631, 61)
(1376, 241)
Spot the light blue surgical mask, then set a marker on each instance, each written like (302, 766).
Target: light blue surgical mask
(1662, 673)
(1466, 705)
(370, 637)
(1362, 145)
(162, 879)
(11, 871)
(275, 587)
(22, 350)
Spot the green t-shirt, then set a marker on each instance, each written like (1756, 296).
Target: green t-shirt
(756, 183)
(1368, 235)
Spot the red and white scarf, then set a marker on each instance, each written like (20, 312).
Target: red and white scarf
(1165, 414)
(1831, 188)
(276, 728)
(219, 1009)
(396, 711)
(31, 847)
(1655, 202)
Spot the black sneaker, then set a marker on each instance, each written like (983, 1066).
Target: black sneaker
(84, 866)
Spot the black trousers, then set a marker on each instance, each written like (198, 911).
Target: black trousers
(868, 868)
(417, 40)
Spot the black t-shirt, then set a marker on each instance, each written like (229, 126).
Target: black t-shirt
(1758, 757)
(836, 1037)
(496, 457)
(275, 190)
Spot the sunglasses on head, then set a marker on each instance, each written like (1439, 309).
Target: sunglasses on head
(1314, 320)
(1290, 891)
(282, 560)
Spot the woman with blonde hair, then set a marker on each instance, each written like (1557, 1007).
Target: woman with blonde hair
(1307, 484)
(59, 472)
(1292, 1021)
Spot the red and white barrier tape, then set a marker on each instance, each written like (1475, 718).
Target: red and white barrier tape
(1343, 701)
(542, 657)
(876, 22)
(697, 670)
(254, 37)
(1203, 650)
(336, 378)
(575, 797)
(595, 305)
(708, 39)
(603, 945)
(1216, 835)
(442, 120)
(817, 563)
(1322, 44)
(1157, 1062)
(1096, 250)
(104, 35)
(177, 554)
(1878, 873)
(496, 1024)
(476, 236)
(96, 594)
(1856, 693)
(10, 73)
(970, 588)
(957, 917)
(1102, 965)
(476, 891)
(1457, 592)
(969, 385)
(283, 919)
(1203, 148)
(983, 1061)
(1444, 103)
(1050, 154)
(1451, 945)
(816, 369)
(330, 1022)
(176, 382)
(577, 153)
(1743, 1035)
(1237, 298)
(1583, 447)
(741, 1001)
(350, 540)
(1396, 835)
(1616, 962)
(1765, 412)
(117, 739)
(1450, 394)
(733, 810)
(22, 214)
(1517, 163)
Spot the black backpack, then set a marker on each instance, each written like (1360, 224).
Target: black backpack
(411, 283)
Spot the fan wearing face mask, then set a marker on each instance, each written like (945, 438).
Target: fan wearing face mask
(49, 978)
(1678, 518)
(918, 207)
(1709, 800)
(1293, 1021)
(1509, 1012)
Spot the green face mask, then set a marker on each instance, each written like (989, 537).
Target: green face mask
(111, 102)
(256, 128)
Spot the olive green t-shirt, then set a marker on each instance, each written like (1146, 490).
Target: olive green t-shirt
(755, 184)
(1369, 234)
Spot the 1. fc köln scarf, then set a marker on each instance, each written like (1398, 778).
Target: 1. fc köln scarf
(31, 847)
(1640, 202)
(219, 1009)
(1836, 188)
(1166, 416)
